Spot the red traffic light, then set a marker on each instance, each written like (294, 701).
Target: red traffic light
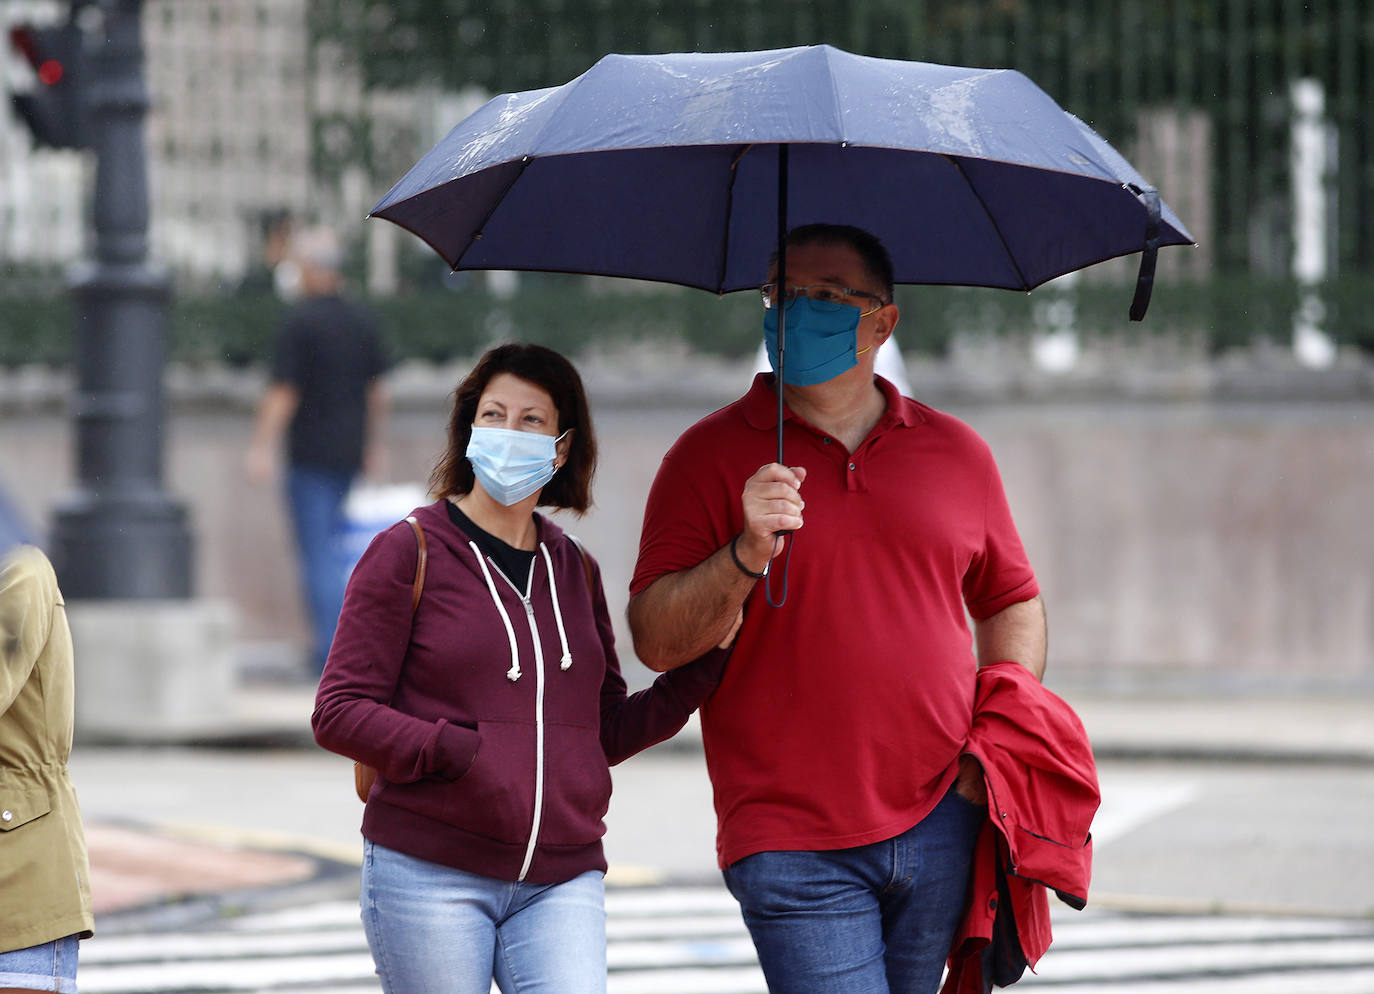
(30, 45)
(54, 110)
(50, 73)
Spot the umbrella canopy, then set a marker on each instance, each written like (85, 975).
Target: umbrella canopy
(667, 168)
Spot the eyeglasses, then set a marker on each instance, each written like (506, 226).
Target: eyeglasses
(823, 296)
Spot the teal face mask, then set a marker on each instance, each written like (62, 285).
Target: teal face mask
(821, 344)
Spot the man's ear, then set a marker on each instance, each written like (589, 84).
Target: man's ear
(886, 324)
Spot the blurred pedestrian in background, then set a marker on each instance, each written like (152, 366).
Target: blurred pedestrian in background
(327, 397)
(263, 273)
(491, 702)
(45, 888)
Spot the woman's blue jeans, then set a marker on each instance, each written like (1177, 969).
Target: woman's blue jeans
(316, 498)
(47, 967)
(436, 930)
(875, 919)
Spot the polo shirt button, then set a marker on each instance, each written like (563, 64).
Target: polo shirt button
(826, 441)
(851, 467)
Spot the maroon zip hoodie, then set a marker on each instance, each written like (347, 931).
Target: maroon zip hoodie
(491, 714)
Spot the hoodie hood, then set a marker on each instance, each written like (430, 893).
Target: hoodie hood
(435, 517)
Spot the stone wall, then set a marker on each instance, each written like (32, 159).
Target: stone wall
(1226, 542)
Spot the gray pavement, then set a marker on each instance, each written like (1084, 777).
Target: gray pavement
(1210, 803)
(1327, 726)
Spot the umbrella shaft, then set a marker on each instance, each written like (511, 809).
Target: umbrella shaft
(781, 278)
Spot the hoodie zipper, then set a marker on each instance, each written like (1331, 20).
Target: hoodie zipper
(526, 598)
(538, 737)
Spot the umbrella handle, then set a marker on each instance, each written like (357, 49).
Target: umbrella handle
(768, 573)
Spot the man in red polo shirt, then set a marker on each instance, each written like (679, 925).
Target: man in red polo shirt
(847, 817)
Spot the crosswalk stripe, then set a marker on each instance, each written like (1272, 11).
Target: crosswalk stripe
(326, 914)
(1120, 964)
(212, 946)
(739, 980)
(691, 927)
(671, 901)
(682, 940)
(1071, 933)
(671, 953)
(185, 976)
(1358, 981)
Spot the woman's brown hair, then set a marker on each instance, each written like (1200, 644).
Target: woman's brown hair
(571, 486)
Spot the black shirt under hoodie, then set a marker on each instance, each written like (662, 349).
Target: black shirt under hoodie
(515, 563)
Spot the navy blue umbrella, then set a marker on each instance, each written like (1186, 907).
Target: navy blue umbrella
(690, 168)
(666, 168)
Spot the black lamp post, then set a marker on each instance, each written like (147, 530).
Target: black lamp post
(119, 535)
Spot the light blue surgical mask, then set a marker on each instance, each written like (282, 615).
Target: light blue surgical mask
(821, 344)
(512, 464)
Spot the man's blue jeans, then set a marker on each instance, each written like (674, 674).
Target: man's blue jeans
(436, 930)
(316, 499)
(875, 919)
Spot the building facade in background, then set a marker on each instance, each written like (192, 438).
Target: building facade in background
(249, 120)
(229, 129)
(315, 107)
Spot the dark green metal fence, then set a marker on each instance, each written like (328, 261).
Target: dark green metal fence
(1197, 93)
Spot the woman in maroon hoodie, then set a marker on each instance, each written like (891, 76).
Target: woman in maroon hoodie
(493, 706)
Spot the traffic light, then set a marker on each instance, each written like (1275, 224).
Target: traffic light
(54, 109)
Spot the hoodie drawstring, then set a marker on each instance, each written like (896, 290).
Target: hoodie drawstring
(566, 661)
(513, 673)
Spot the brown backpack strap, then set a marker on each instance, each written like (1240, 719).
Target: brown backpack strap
(421, 561)
(586, 560)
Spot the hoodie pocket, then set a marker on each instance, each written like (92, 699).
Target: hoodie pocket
(493, 799)
(577, 786)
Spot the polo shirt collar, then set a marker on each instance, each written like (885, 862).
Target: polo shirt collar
(760, 406)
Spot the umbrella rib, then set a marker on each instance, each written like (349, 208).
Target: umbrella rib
(495, 203)
(729, 212)
(991, 220)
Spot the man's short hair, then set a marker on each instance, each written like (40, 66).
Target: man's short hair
(870, 250)
(319, 246)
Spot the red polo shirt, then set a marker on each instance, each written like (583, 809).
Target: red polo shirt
(841, 716)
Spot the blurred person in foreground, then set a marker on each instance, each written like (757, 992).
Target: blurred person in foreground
(327, 397)
(492, 704)
(45, 888)
(847, 810)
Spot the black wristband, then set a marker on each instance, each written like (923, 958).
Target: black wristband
(742, 568)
